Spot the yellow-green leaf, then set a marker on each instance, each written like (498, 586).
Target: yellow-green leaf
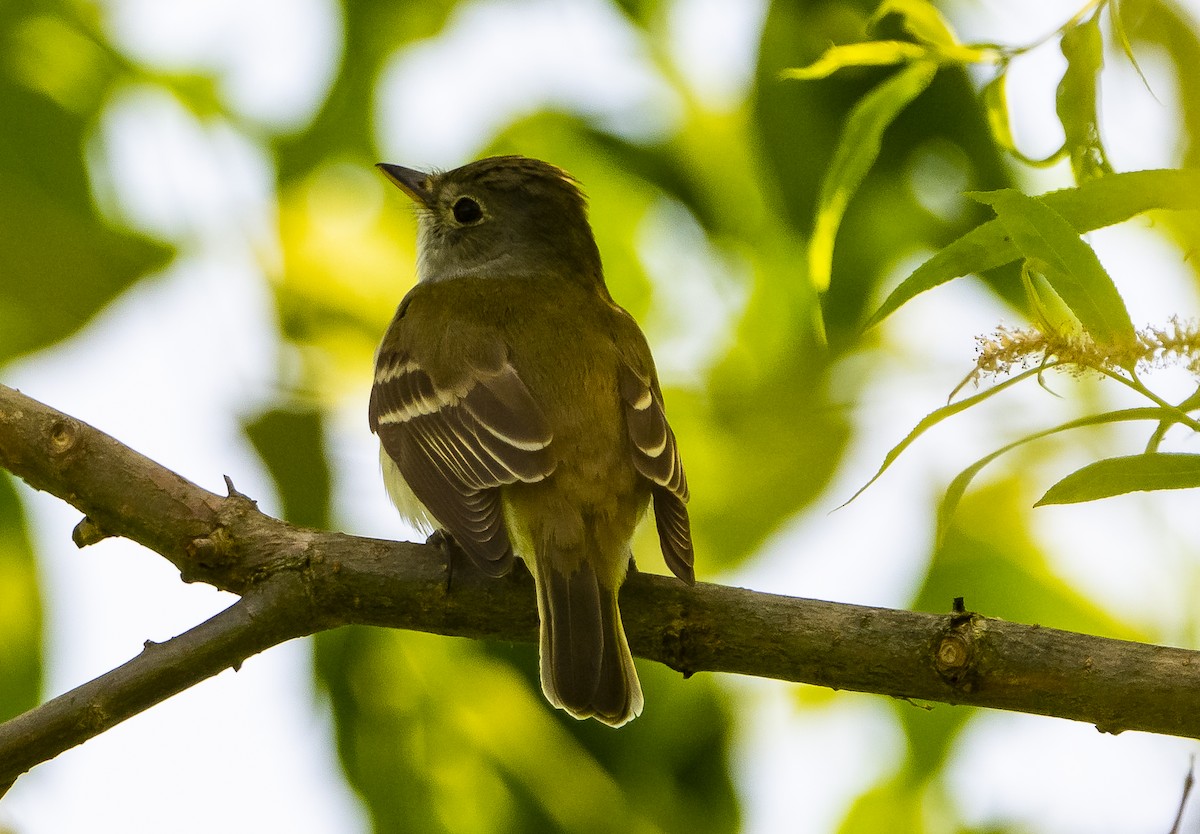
(1118, 476)
(927, 26)
(922, 20)
(1076, 99)
(1052, 246)
(857, 149)
(1091, 205)
(958, 487)
(21, 616)
(867, 54)
(1117, 18)
(995, 104)
(934, 417)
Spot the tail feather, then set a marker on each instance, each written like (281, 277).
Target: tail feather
(587, 668)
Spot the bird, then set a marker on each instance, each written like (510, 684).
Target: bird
(519, 412)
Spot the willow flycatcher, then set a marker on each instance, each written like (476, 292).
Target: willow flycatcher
(518, 410)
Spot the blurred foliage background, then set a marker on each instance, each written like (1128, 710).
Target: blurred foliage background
(702, 210)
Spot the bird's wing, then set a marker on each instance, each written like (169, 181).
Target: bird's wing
(456, 440)
(656, 457)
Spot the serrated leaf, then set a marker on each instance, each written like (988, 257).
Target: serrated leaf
(1088, 206)
(868, 54)
(958, 487)
(1075, 100)
(1118, 476)
(1050, 243)
(857, 149)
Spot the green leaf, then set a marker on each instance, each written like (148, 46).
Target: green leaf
(892, 805)
(1121, 35)
(1050, 244)
(291, 442)
(958, 487)
(992, 559)
(856, 152)
(417, 730)
(20, 608)
(1118, 476)
(934, 417)
(1112, 199)
(922, 20)
(1088, 206)
(934, 40)
(59, 262)
(994, 97)
(373, 33)
(1048, 311)
(927, 26)
(867, 54)
(1075, 101)
(995, 104)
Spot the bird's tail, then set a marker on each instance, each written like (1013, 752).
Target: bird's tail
(587, 668)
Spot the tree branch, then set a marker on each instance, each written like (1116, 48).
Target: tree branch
(257, 621)
(295, 581)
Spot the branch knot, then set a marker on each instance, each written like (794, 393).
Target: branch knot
(62, 436)
(955, 653)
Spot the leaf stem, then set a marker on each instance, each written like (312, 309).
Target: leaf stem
(1134, 383)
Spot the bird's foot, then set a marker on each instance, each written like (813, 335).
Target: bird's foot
(451, 550)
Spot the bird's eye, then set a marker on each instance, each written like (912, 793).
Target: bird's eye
(467, 211)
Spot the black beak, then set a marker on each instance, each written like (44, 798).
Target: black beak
(413, 183)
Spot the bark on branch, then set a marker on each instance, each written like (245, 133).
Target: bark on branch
(295, 581)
